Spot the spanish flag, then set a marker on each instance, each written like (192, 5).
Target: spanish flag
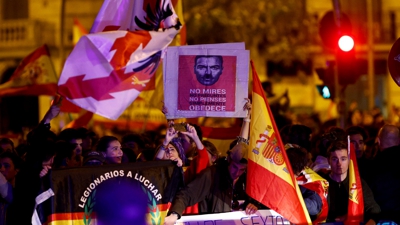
(270, 178)
(355, 211)
(35, 75)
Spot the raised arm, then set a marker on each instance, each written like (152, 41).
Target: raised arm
(244, 132)
(192, 133)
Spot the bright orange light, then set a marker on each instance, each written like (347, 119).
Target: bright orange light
(346, 43)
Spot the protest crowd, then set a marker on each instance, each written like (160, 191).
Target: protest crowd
(314, 156)
(214, 179)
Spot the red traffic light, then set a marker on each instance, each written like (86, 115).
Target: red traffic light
(346, 43)
(329, 30)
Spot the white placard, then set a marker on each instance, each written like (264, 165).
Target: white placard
(206, 80)
(233, 218)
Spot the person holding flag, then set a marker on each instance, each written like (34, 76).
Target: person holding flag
(345, 204)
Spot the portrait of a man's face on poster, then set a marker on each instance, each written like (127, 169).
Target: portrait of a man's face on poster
(207, 83)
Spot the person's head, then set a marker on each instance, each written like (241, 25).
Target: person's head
(66, 156)
(237, 159)
(338, 159)
(388, 136)
(212, 151)
(74, 137)
(93, 159)
(175, 150)
(89, 139)
(6, 145)
(297, 158)
(208, 68)
(110, 147)
(333, 134)
(358, 136)
(10, 164)
(134, 142)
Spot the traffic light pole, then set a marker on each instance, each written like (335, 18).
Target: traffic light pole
(339, 96)
(370, 40)
(339, 99)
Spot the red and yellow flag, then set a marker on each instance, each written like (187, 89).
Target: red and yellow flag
(355, 212)
(270, 178)
(35, 75)
(312, 181)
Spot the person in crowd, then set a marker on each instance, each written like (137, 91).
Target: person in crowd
(321, 164)
(89, 139)
(385, 181)
(6, 145)
(110, 148)
(213, 188)
(28, 183)
(314, 201)
(93, 159)
(358, 136)
(147, 154)
(172, 149)
(338, 194)
(10, 165)
(134, 143)
(72, 135)
(66, 156)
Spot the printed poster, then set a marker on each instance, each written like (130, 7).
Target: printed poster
(206, 81)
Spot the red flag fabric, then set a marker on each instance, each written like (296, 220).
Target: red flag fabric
(77, 32)
(355, 212)
(81, 121)
(35, 75)
(270, 178)
(312, 181)
(112, 67)
(221, 137)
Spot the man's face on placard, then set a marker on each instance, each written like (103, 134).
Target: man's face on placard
(208, 69)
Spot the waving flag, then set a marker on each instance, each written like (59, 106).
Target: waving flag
(106, 71)
(35, 75)
(355, 210)
(77, 32)
(270, 178)
(154, 93)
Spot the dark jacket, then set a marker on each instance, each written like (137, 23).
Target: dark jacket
(385, 182)
(312, 201)
(338, 199)
(212, 189)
